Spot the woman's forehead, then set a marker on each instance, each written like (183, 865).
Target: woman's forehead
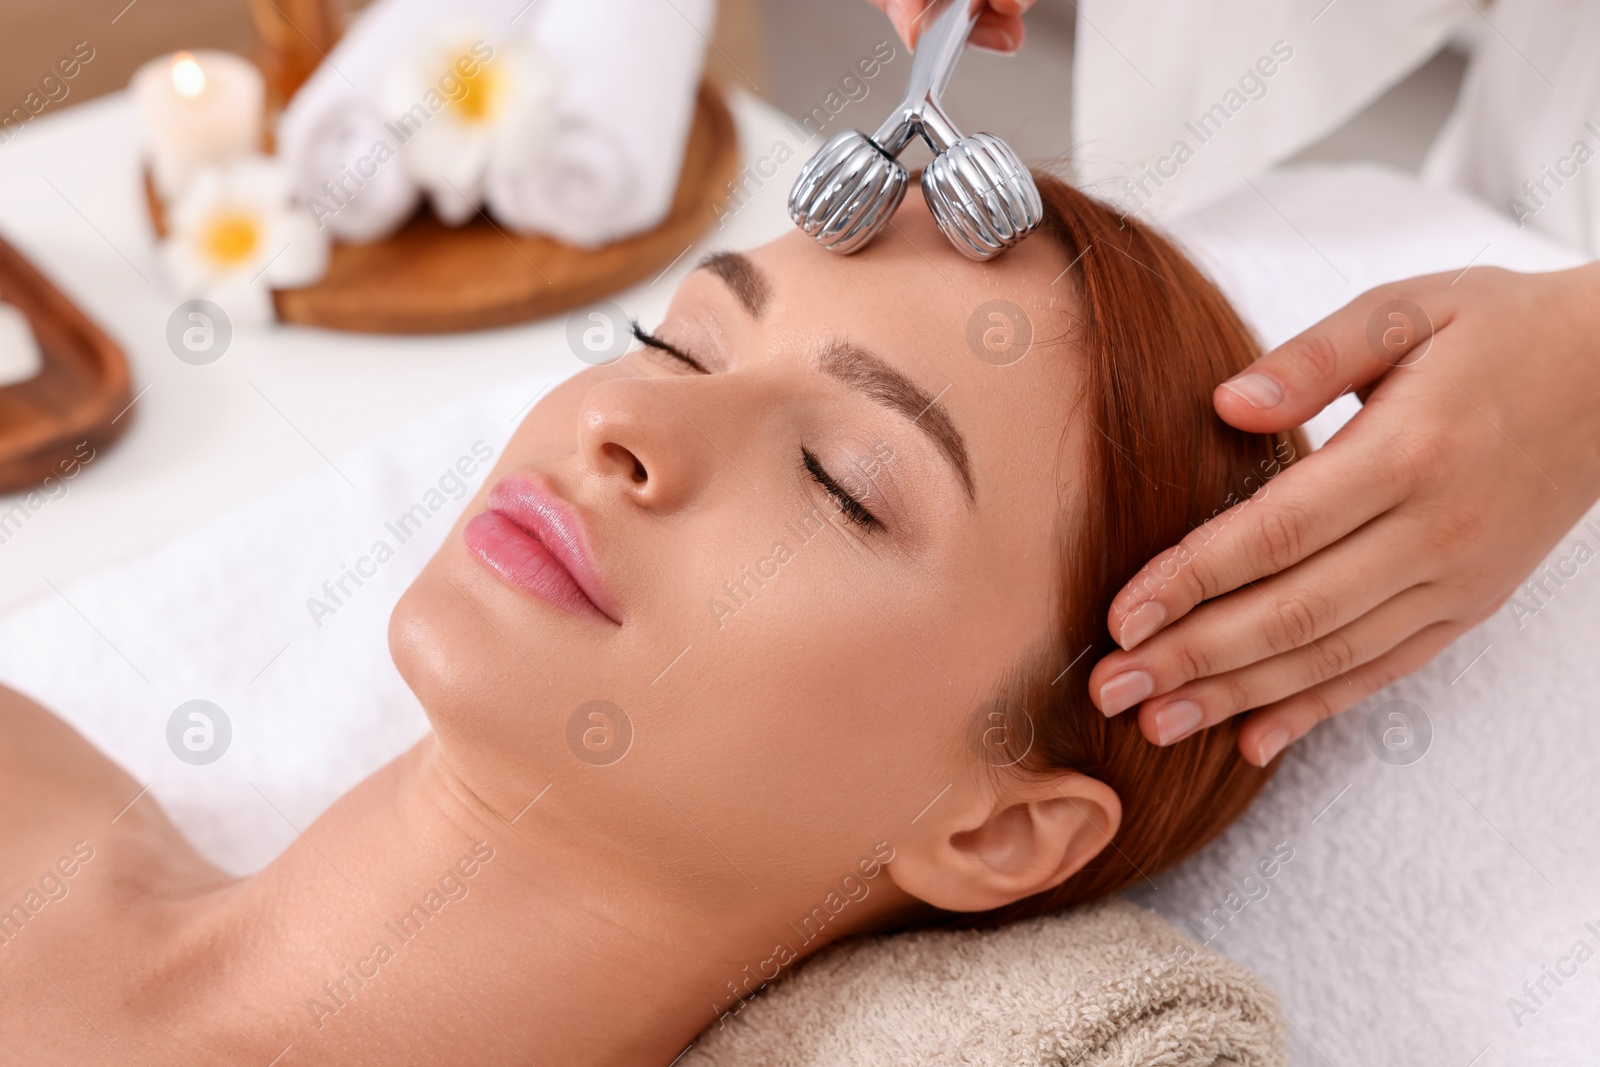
(916, 258)
(992, 341)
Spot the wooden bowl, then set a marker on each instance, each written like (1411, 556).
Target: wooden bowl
(77, 403)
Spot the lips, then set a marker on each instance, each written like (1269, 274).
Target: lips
(536, 542)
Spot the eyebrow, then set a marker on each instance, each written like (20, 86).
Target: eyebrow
(857, 368)
(864, 372)
(744, 279)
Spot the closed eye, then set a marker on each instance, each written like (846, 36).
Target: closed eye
(649, 340)
(849, 506)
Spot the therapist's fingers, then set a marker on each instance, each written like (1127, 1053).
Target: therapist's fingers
(1264, 620)
(997, 32)
(1308, 506)
(1332, 656)
(1267, 731)
(901, 15)
(999, 25)
(1378, 331)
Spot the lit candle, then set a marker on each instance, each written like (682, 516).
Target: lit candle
(19, 352)
(197, 109)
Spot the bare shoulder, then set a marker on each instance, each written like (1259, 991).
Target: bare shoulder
(50, 776)
(85, 873)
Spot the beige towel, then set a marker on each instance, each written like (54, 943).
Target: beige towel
(1108, 985)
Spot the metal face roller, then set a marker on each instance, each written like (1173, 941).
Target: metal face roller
(982, 196)
(979, 192)
(847, 191)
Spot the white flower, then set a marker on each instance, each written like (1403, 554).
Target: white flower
(463, 107)
(234, 235)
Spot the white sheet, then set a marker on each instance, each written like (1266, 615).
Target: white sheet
(1416, 901)
(1419, 898)
(221, 614)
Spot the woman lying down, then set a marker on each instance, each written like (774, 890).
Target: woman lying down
(791, 606)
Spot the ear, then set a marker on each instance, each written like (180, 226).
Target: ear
(988, 849)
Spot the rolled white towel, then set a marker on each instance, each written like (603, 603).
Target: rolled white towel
(568, 116)
(342, 136)
(469, 100)
(19, 352)
(328, 145)
(622, 119)
(333, 132)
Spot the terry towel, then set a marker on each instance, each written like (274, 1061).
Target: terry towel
(600, 143)
(1108, 985)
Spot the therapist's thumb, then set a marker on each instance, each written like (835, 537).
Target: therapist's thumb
(1305, 374)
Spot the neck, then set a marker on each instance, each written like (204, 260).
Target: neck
(413, 916)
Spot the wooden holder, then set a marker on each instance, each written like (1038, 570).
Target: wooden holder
(292, 37)
(79, 398)
(432, 278)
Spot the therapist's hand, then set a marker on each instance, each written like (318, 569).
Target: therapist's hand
(1478, 448)
(999, 24)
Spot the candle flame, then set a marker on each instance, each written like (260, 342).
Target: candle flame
(188, 77)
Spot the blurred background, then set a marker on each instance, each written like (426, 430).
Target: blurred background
(791, 54)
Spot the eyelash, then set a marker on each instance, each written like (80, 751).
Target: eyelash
(849, 506)
(649, 340)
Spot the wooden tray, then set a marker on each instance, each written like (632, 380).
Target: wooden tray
(433, 278)
(73, 400)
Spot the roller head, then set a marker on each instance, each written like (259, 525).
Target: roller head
(847, 192)
(982, 196)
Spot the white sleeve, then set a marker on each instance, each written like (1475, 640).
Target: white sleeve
(1525, 133)
(1172, 103)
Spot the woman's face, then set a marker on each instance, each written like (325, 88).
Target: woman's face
(798, 677)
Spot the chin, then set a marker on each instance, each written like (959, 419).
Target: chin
(479, 695)
(420, 638)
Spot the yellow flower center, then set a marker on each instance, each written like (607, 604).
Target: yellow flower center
(481, 96)
(229, 237)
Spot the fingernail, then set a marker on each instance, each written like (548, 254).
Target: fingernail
(1125, 690)
(1257, 390)
(1177, 720)
(1140, 623)
(1004, 44)
(1271, 745)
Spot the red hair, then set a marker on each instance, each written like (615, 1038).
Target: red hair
(1154, 338)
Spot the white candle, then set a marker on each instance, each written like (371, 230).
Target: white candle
(19, 352)
(197, 109)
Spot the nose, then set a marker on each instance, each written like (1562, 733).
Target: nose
(645, 443)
